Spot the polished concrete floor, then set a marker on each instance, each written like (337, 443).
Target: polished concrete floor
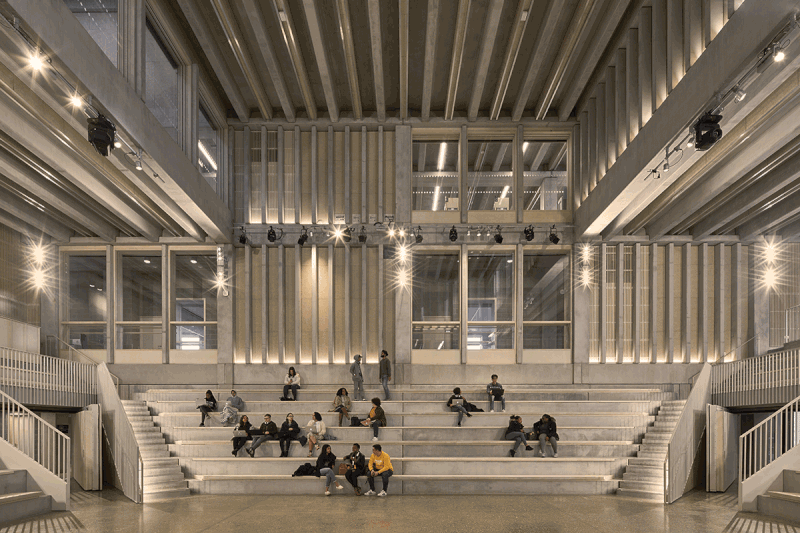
(110, 511)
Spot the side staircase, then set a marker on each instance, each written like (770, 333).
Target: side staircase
(163, 478)
(644, 475)
(784, 503)
(17, 500)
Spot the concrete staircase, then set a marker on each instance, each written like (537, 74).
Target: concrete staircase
(644, 475)
(163, 478)
(600, 430)
(784, 503)
(17, 499)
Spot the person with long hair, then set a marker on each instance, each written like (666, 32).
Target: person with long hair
(316, 432)
(325, 467)
(376, 419)
(290, 382)
(289, 431)
(239, 442)
(210, 405)
(342, 404)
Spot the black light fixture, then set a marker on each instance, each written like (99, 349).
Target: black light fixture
(528, 232)
(362, 236)
(243, 237)
(707, 131)
(271, 236)
(418, 235)
(347, 236)
(101, 134)
(553, 237)
(303, 237)
(453, 234)
(498, 237)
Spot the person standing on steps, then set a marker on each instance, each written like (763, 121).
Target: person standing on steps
(385, 373)
(358, 378)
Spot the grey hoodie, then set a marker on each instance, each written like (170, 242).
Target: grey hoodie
(355, 370)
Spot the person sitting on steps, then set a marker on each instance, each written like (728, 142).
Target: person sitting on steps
(356, 466)
(380, 464)
(236, 401)
(290, 382)
(289, 431)
(456, 404)
(376, 419)
(267, 431)
(325, 467)
(546, 431)
(316, 432)
(515, 432)
(495, 392)
(239, 442)
(342, 405)
(210, 405)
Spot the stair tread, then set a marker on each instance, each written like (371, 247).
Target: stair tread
(19, 496)
(494, 477)
(788, 496)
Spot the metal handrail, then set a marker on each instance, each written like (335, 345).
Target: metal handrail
(89, 359)
(37, 379)
(769, 379)
(786, 322)
(768, 440)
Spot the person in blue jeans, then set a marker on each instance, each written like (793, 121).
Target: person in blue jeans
(385, 372)
(496, 392)
(456, 404)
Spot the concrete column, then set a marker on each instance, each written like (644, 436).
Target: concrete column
(653, 303)
(330, 183)
(602, 135)
(659, 49)
(248, 304)
(591, 126)
(314, 303)
(581, 313)
(692, 31)
(225, 323)
(348, 268)
(281, 181)
(246, 177)
(518, 303)
(620, 315)
(611, 117)
(380, 188)
(702, 301)
(264, 302)
(402, 197)
(381, 294)
(675, 64)
(518, 178)
(111, 303)
(720, 291)
(190, 107)
(264, 165)
(463, 171)
(402, 326)
(297, 179)
(583, 171)
(281, 304)
(622, 102)
(634, 107)
(363, 276)
(464, 272)
(603, 312)
(645, 65)
(348, 209)
(737, 295)
(636, 319)
(49, 304)
(167, 298)
(758, 308)
(228, 176)
(131, 48)
(298, 301)
(331, 303)
(314, 184)
(669, 304)
(686, 307)
(575, 179)
(363, 209)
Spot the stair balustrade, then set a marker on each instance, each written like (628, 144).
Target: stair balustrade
(770, 379)
(769, 440)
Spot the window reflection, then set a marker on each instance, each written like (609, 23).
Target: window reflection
(161, 82)
(490, 178)
(544, 171)
(99, 18)
(435, 176)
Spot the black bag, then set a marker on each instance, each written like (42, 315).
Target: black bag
(305, 470)
(472, 408)
(302, 440)
(354, 422)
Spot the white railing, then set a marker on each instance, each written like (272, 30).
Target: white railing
(73, 354)
(34, 437)
(791, 324)
(35, 379)
(684, 445)
(120, 437)
(769, 440)
(770, 379)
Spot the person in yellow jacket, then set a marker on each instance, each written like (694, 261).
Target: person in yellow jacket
(380, 464)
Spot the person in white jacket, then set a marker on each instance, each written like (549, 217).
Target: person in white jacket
(316, 432)
(290, 382)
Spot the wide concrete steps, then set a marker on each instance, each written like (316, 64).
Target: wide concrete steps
(23, 504)
(783, 503)
(410, 484)
(395, 448)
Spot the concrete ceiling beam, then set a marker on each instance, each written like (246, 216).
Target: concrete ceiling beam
(781, 213)
(501, 154)
(557, 157)
(20, 226)
(539, 157)
(235, 38)
(36, 217)
(457, 60)
(298, 63)
(257, 24)
(423, 152)
(490, 27)
(431, 32)
(403, 57)
(376, 45)
(204, 36)
(510, 57)
(321, 55)
(346, 33)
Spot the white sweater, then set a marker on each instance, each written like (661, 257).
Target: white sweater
(289, 380)
(316, 426)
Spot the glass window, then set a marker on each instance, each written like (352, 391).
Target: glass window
(491, 301)
(435, 301)
(161, 82)
(546, 302)
(141, 302)
(99, 18)
(435, 176)
(85, 311)
(544, 171)
(194, 321)
(207, 140)
(490, 178)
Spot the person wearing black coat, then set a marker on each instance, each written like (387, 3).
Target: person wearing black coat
(325, 467)
(239, 442)
(289, 431)
(456, 404)
(515, 432)
(356, 466)
(546, 431)
(211, 405)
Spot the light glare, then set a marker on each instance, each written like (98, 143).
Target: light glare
(442, 154)
(770, 280)
(38, 254)
(770, 253)
(36, 62)
(207, 155)
(76, 101)
(436, 191)
(38, 279)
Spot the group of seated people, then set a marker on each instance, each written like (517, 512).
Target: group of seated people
(380, 464)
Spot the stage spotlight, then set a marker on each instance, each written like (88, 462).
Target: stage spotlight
(271, 236)
(707, 131)
(453, 234)
(498, 237)
(303, 237)
(418, 235)
(243, 237)
(139, 163)
(553, 237)
(528, 233)
(362, 236)
(347, 236)
(101, 134)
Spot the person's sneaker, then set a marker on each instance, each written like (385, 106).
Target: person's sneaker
(512, 453)
(250, 452)
(555, 455)
(504, 410)
(357, 490)
(381, 494)
(469, 415)
(491, 410)
(202, 425)
(310, 454)
(339, 487)
(458, 425)
(369, 493)
(528, 448)
(283, 398)
(374, 438)
(327, 492)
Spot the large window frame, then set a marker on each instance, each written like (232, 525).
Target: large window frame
(85, 327)
(174, 323)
